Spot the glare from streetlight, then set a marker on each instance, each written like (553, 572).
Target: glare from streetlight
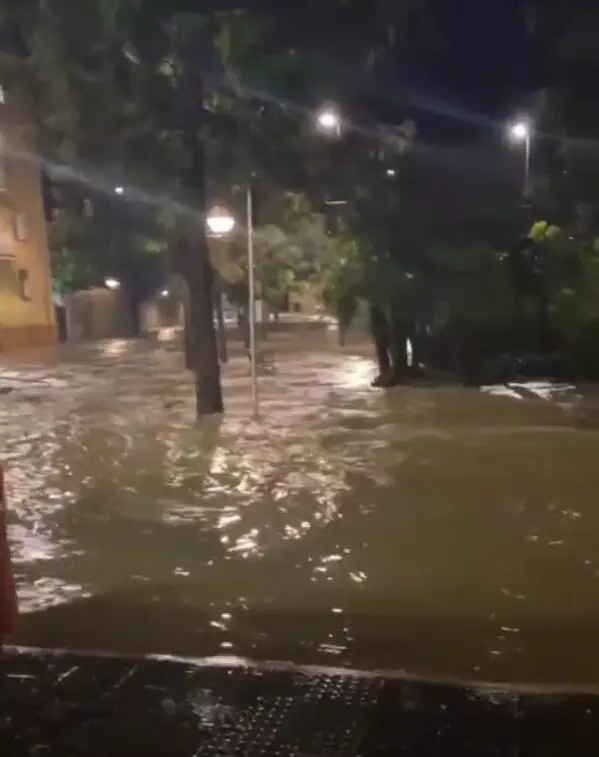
(328, 119)
(164, 293)
(520, 131)
(112, 283)
(119, 190)
(390, 172)
(220, 222)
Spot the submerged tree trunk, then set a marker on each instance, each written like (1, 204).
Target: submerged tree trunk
(346, 310)
(381, 336)
(187, 349)
(470, 356)
(419, 342)
(390, 333)
(220, 321)
(133, 304)
(400, 332)
(202, 354)
(244, 326)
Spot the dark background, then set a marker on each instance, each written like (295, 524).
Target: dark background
(483, 71)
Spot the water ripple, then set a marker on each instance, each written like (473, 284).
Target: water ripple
(384, 529)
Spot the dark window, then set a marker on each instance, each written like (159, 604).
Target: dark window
(20, 227)
(24, 289)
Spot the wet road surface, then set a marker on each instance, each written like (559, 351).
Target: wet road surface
(436, 529)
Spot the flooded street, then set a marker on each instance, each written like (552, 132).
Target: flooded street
(441, 530)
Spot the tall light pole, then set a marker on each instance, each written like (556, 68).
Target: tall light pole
(252, 297)
(521, 131)
(220, 222)
(329, 121)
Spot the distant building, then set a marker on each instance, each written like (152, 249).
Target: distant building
(27, 316)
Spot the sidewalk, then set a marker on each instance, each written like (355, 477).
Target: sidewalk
(65, 704)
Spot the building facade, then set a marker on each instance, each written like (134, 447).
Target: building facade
(27, 317)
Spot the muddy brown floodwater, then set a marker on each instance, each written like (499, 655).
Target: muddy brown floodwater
(440, 530)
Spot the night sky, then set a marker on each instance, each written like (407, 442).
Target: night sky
(483, 71)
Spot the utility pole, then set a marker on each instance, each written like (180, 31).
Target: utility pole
(252, 296)
(202, 355)
(527, 160)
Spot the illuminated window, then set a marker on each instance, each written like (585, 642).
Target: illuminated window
(24, 287)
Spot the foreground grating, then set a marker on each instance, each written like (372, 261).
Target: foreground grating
(94, 706)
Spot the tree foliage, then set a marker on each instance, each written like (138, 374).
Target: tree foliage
(426, 233)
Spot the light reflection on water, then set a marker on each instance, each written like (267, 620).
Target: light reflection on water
(435, 529)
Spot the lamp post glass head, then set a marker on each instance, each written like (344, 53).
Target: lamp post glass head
(520, 131)
(112, 283)
(328, 119)
(119, 190)
(220, 221)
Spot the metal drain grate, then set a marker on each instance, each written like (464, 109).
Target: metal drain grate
(94, 706)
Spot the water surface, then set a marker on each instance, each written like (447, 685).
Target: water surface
(441, 530)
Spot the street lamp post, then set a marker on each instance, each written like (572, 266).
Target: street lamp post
(521, 131)
(220, 222)
(252, 297)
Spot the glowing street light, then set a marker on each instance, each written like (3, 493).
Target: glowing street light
(220, 222)
(329, 120)
(119, 190)
(521, 131)
(113, 284)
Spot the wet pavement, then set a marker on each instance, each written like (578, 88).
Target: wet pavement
(69, 705)
(436, 529)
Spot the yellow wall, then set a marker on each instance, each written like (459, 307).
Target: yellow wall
(23, 321)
